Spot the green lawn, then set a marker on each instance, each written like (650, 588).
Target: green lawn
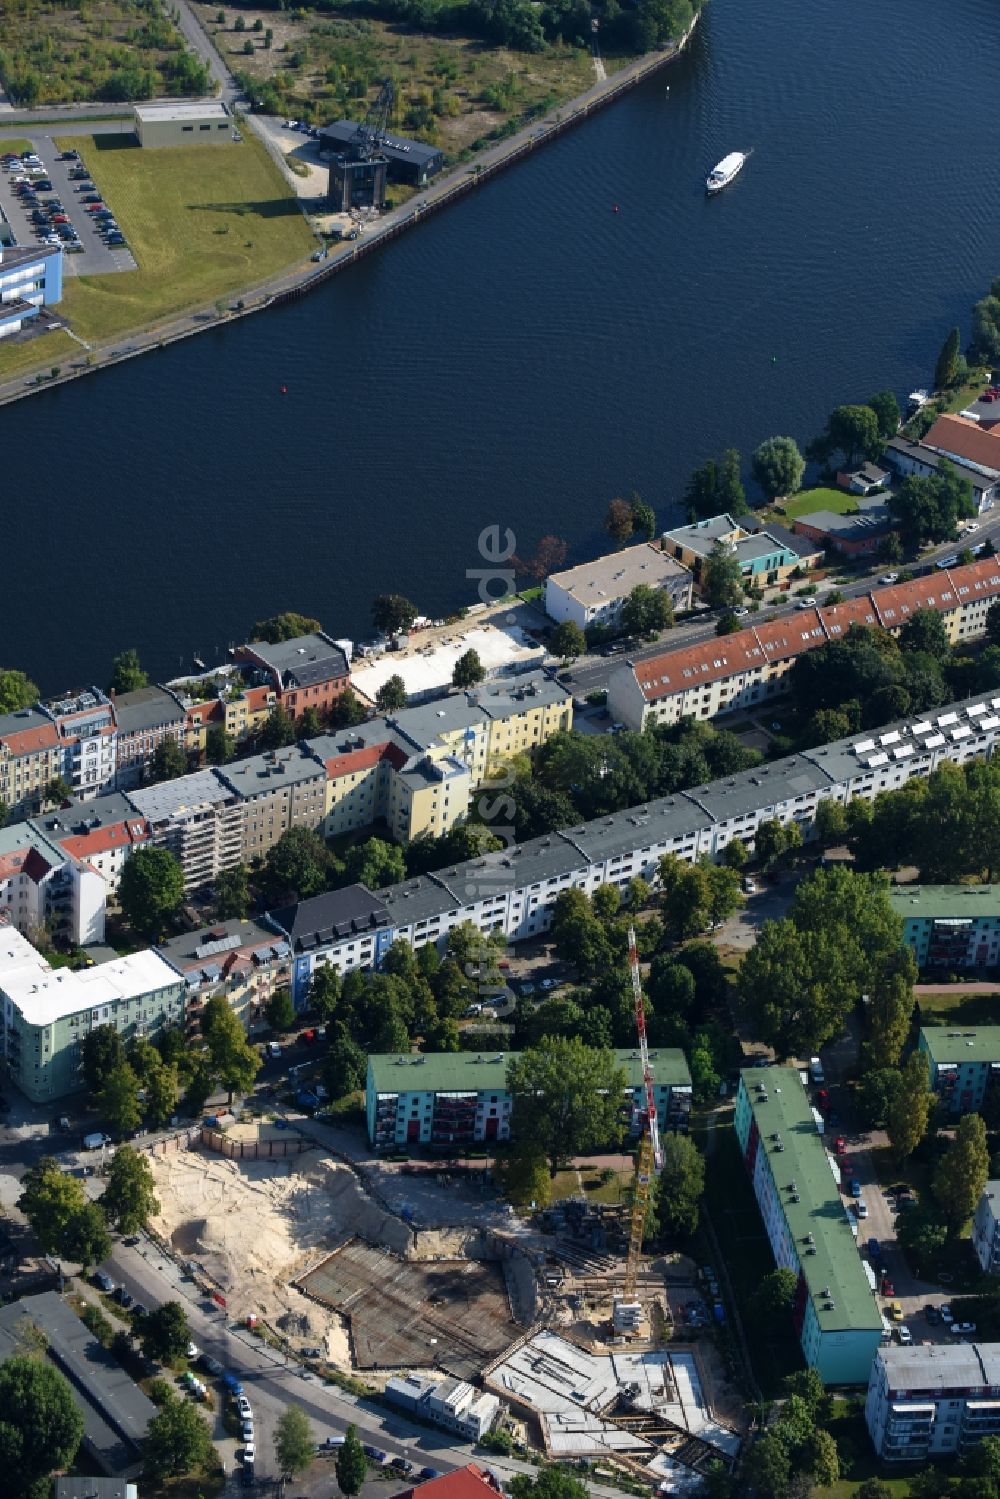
(951, 1008)
(43, 352)
(857, 1459)
(19, 146)
(820, 498)
(203, 222)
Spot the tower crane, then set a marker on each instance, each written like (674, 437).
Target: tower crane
(370, 134)
(650, 1157)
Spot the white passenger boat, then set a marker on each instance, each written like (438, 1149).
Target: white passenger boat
(722, 175)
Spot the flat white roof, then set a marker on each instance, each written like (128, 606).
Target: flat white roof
(44, 995)
(160, 114)
(615, 575)
(431, 668)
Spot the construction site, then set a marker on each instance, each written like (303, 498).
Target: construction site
(594, 1351)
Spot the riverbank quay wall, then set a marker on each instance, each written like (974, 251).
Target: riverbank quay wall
(442, 194)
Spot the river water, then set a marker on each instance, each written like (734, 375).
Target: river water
(527, 355)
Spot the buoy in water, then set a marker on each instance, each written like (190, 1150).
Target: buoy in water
(284, 390)
(615, 209)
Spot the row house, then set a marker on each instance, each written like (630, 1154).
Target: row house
(836, 1320)
(276, 791)
(240, 960)
(447, 1100)
(31, 757)
(88, 734)
(932, 1400)
(310, 671)
(751, 666)
(44, 887)
(145, 719)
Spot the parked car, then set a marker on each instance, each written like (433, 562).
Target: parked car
(889, 578)
(895, 1311)
(861, 1208)
(932, 1314)
(375, 1453)
(246, 1432)
(962, 1329)
(904, 1335)
(243, 1406)
(430, 1473)
(330, 1444)
(887, 1287)
(807, 601)
(946, 1314)
(104, 1282)
(854, 1187)
(249, 1451)
(401, 1465)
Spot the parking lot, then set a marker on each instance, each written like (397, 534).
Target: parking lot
(47, 198)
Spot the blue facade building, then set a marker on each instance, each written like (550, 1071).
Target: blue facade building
(30, 279)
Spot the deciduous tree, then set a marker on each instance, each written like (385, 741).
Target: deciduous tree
(178, 1440)
(235, 1061)
(150, 890)
(566, 1097)
(287, 626)
(962, 1171)
(568, 639)
(277, 731)
(294, 1442)
(721, 579)
(232, 893)
(103, 1051)
(646, 610)
(298, 864)
(41, 1426)
(680, 1186)
(220, 746)
(164, 1333)
(909, 1107)
(887, 414)
(345, 1066)
(352, 1465)
(619, 521)
(392, 613)
(17, 690)
(127, 674)
(391, 696)
(169, 761)
(129, 1200)
(468, 670)
(280, 1010)
(778, 466)
(119, 1100)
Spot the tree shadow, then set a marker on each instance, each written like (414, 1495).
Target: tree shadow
(266, 208)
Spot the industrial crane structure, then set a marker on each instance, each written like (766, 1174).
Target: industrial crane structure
(649, 1160)
(370, 133)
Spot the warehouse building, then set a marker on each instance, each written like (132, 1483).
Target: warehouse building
(449, 1099)
(177, 124)
(964, 1066)
(408, 161)
(950, 926)
(837, 1321)
(933, 1399)
(986, 1229)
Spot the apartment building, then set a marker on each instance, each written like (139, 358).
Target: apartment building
(199, 818)
(837, 1321)
(145, 719)
(277, 790)
(43, 886)
(239, 959)
(310, 671)
(963, 1065)
(30, 278)
(347, 928)
(449, 1099)
(85, 723)
(594, 592)
(932, 1399)
(46, 1012)
(955, 927)
(751, 666)
(986, 1229)
(31, 756)
(102, 833)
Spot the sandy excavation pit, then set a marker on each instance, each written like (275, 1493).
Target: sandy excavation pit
(254, 1226)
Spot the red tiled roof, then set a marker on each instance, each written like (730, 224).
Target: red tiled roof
(953, 434)
(35, 866)
(101, 840)
(783, 639)
(470, 1482)
(30, 741)
(204, 712)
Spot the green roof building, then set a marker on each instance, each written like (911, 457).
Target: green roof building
(963, 1065)
(955, 927)
(836, 1318)
(446, 1100)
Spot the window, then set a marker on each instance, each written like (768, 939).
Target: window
(187, 127)
(204, 127)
